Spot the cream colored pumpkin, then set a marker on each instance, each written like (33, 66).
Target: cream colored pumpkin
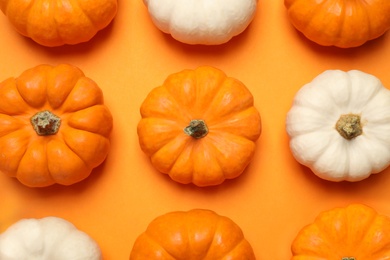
(339, 125)
(202, 21)
(49, 238)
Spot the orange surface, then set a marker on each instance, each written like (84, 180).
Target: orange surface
(271, 201)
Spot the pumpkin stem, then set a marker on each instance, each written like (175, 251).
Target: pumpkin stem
(348, 258)
(197, 129)
(349, 126)
(45, 123)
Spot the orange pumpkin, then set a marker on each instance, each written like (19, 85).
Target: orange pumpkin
(54, 126)
(54, 23)
(199, 126)
(195, 234)
(351, 233)
(340, 23)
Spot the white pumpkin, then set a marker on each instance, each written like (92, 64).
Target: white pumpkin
(49, 238)
(207, 22)
(339, 125)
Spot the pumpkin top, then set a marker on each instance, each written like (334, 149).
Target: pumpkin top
(199, 126)
(54, 126)
(338, 125)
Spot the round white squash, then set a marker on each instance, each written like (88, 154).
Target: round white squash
(339, 125)
(207, 22)
(49, 238)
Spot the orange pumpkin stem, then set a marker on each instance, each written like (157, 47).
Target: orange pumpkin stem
(197, 129)
(349, 126)
(45, 123)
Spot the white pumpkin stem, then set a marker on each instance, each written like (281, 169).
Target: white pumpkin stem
(349, 126)
(45, 123)
(197, 129)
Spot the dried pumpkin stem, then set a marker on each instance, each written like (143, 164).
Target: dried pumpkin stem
(197, 128)
(348, 258)
(349, 126)
(45, 123)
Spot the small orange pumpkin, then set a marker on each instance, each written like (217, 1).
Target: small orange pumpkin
(340, 23)
(199, 126)
(54, 23)
(195, 234)
(351, 233)
(54, 126)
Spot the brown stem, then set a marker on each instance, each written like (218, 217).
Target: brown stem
(45, 123)
(197, 128)
(348, 258)
(349, 126)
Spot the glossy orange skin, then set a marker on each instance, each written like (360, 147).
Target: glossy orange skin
(340, 23)
(226, 106)
(82, 142)
(356, 231)
(198, 234)
(55, 23)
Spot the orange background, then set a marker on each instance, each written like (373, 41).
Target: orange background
(271, 201)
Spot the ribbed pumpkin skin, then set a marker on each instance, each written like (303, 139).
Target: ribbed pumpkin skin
(351, 233)
(82, 141)
(197, 234)
(55, 23)
(227, 108)
(340, 23)
(202, 21)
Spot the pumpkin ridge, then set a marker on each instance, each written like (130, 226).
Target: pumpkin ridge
(76, 3)
(214, 122)
(213, 143)
(300, 136)
(342, 22)
(102, 130)
(378, 91)
(184, 111)
(168, 134)
(75, 152)
(316, 122)
(367, 99)
(371, 226)
(30, 147)
(238, 107)
(21, 156)
(333, 140)
(367, 20)
(157, 243)
(302, 250)
(222, 77)
(13, 123)
(317, 8)
(209, 145)
(30, 24)
(24, 31)
(190, 147)
(228, 123)
(209, 243)
(236, 247)
(57, 27)
(174, 96)
(379, 141)
(216, 225)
